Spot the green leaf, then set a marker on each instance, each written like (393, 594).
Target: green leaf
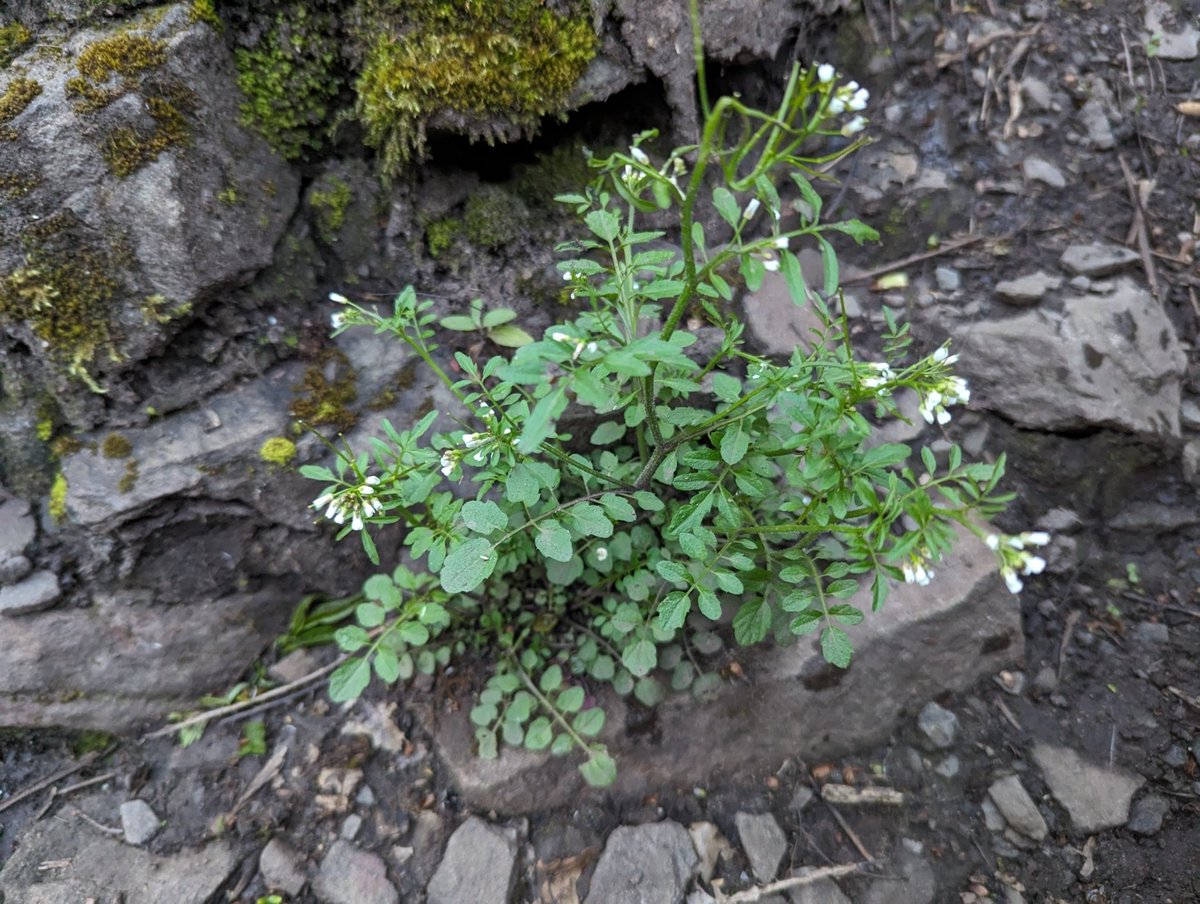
(675, 572)
(835, 647)
(640, 657)
(600, 770)
(467, 566)
(842, 589)
(483, 517)
(316, 472)
(414, 634)
(886, 455)
(551, 679)
(726, 388)
(622, 683)
(538, 424)
(349, 680)
(589, 722)
(846, 614)
(608, 432)
(589, 519)
(570, 700)
(648, 502)
(510, 336)
(521, 707)
(708, 603)
(459, 322)
(562, 745)
(603, 223)
(806, 622)
(603, 668)
(928, 460)
(673, 610)
(522, 485)
(879, 592)
(727, 206)
(649, 691)
(752, 622)
(829, 265)
(793, 277)
(486, 741)
(809, 194)
(484, 714)
(351, 638)
(728, 581)
(513, 734)
(734, 444)
(553, 541)
(370, 615)
(539, 734)
(564, 573)
(497, 317)
(387, 664)
(618, 507)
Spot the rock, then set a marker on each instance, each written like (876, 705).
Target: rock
(351, 826)
(1151, 633)
(763, 842)
(351, 876)
(1176, 756)
(477, 866)
(918, 646)
(138, 821)
(823, 891)
(1095, 123)
(939, 726)
(1046, 680)
(1113, 361)
(37, 592)
(1097, 260)
(1190, 459)
(13, 569)
(910, 881)
(948, 768)
(17, 528)
(294, 666)
(1036, 92)
(1154, 516)
(1189, 414)
(92, 866)
(948, 279)
(646, 864)
(1036, 169)
(801, 797)
(282, 868)
(1017, 807)
(1180, 46)
(1095, 797)
(710, 845)
(991, 816)
(1148, 814)
(1027, 290)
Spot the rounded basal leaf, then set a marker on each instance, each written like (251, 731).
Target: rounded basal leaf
(622, 683)
(513, 733)
(485, 741)
(682, 675)
(603, 668)
(707, 687)
(349, 680)
(640, 657)
(708, 604)
(484, 714)
(491, 695)
(608, 432)
(649, 691)
(553, 541)
(570, 700)
(600, 770)
(589, 722)
(521, 707)
(387, 664)
(381, 588)
(483, 517)
(510, 336)
(551, 679)
(370, 615)
(405, 667)
(562, 745)
(414, 634)
(351, 638)
(590, 520)
(539, 734)
(459, 322)
(467, 566)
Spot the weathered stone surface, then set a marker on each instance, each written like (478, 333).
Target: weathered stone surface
(17, 528)
(938, 725)
(477, 866)
(763, 842)
(90, 866)
(138, 821)
(1017, 807)
(122, 661)
(1096, 797)
(351, 876)
(924, 641)
(823, 891)
(1111, 361)
(1148, 814)
(280, 867)
(37, 592)
(1036, 169)
(1029, 289)
(910, 880)
(1097, 260)
(647, 864)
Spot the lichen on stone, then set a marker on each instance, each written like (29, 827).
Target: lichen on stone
(118, 58)
(278, 450)
(116, 445)
(57, 503)
(509, 63)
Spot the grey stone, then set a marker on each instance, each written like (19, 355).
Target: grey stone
(1154, 516)
(1059, 520)
(1046, 680)
(1094, 119)
(1017, 807)
(89, 865)
(823, 891)
(138, 821)
(991, 816)
(949, 767)
(801, 797)
(1177, 46)
(351, 826)
(1037, 92)
(646, 864)
(1190, 459)
(1097, 260)
(351, 876)
(1148, 814)
(1036, 169)
(1095, 797)
(1029, 289)
(938, 725)
(763, 842)
(910, 881)
(1189, 413)
(1175, 756)
(1151, 632)
(282, 868)
(1113, 361)
(37, 592)
(1080, 283)
(477, 866)
(13, 569)
(17, 528)
(948, 279)
(918, 646)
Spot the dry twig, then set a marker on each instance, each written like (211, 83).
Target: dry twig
(848, 794)
(944, 248)
(807, 878)
(83, 763)
(1138, 228)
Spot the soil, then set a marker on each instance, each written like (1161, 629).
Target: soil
(1093, 678)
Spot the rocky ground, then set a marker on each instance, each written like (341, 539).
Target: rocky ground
(1033, 174)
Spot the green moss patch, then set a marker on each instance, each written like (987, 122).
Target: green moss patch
(325, 401)
(278, 450)
(329, 201)
(14, 38)
(17, 96)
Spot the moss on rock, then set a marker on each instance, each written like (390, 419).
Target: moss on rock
(329, 200)
(16, 97)
(278, 450)
(494, 217)
(14, 38)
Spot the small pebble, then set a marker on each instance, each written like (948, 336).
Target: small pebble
(948, 279)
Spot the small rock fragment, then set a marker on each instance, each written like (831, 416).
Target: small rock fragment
(1046, 680)
(16, 527)
(1148, 814)
(1151, 633)
(1097, 260)
(280, 867)
(1036, 92)
(1096, 797)
(1017, 807)
(938, 725)
(948, 768)
(351, 876)
(1095, 122)
(351, 826)
(1036, 169)
(1027, 290)
(763, 841)
(1176, 756)
(138, 822)
(37, 592)
(948, 279)
(477, 866)
(653, 862)
(822, 891)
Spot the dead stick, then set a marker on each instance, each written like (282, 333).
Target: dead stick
(945, 248)
(86, 761)
(825, 872)
(850, 833)
(1139, 227)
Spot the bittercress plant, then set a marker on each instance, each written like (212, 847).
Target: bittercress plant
(620, 497)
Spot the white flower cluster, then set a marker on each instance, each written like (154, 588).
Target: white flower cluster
(1015, 558)
(476, 443)
(355, 504)
(581, 345)
(882, 377)
(950, 391)
(848, 97)
(916, 568)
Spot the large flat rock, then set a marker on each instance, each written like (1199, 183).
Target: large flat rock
(925, 641)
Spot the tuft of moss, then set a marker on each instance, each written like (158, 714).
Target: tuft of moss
(440, 235)
(116, 445)
(325, 401)
(516, 61)
(278, 450)
(129, 479)
(19, 95)
(124, 55)
(127, 149)
(57, 504)
(329, 202)
(204, 11)
(291, 79)
(494, 217)
(14, 38)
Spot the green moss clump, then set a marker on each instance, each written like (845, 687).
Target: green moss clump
(278, 450)
(325, 401)
(515, 60)
(125, 54)
(14, 38)
(127, 149)
(329, 202)
(130, 478)
(16, 185)
(115, 445)
(204, 11)
(57, 504)
(19, 95)
(291, 79)
(440, 235)
(494, 217)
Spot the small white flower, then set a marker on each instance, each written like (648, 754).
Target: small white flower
(854, 126)
(1011, 580)
(859, 101)
(591, 348)
(781, 242)
(337, 320)
(339, 299)
(640, 156)
(559, 336)
(322, 500)
(993, 541)
(885, 375)
(356, 522)
(825, 73)
(943, 356)
(836, 106)
(771, 265)
(472, 440)
(568, 276)
(851, 87)
(1034, 564)
(751, 209)
(601, 554)
(449, 462)
(1036, 537)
